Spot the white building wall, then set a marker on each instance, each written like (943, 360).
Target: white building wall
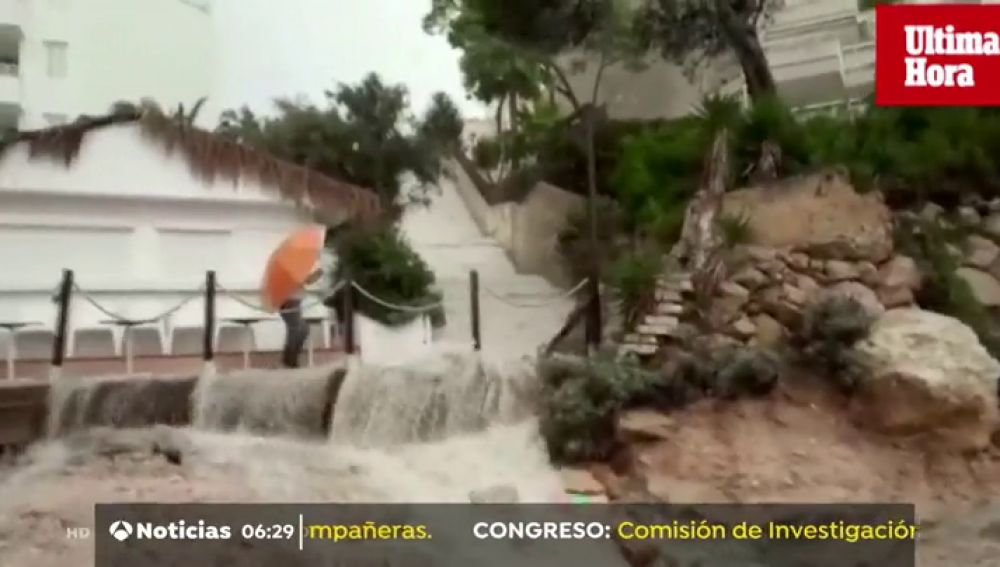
(138, 230)
(115, 50)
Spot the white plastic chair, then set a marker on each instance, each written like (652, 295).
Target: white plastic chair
(138, 335)
(236, 327)
(186, 329)
(92, 334)
(35, 342)
(147, 338)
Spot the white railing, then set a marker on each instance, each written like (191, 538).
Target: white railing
(813, 12)
(866, 20)
(833, 108)
(858, 64)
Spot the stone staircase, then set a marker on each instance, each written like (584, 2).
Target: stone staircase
(663, 323)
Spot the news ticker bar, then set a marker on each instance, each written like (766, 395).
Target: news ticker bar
(193, 535)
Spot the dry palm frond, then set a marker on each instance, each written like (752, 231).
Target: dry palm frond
(210, 157)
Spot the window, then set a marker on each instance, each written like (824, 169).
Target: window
(55, 52)
(55, 119)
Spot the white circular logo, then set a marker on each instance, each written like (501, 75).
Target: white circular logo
(121, 530)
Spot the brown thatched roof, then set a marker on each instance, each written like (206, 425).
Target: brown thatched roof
(211, 156)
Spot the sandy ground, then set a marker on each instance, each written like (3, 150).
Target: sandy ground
(797, 446)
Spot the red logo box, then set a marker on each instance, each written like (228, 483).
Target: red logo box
(937, 55)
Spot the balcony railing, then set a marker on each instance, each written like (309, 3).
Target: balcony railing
(820, 58)
(858, 64)
(815, 11)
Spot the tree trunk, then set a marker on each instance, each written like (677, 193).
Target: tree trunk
(699, 235)
(742, 36)
(512, 112)
(515, 160)
(596, 325)
(753, 61)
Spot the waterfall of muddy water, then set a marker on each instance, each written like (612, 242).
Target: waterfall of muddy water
(117, 401)
(448, 393)
(289, 402)
(434, 431)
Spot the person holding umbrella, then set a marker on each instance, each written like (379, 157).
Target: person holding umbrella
(302, 263)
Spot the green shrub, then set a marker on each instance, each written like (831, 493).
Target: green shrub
(486, 153)
(380, 260)
(830, 329)
(745, 371)
(565, 157)
(943, 290)
(769, 121)
(581, 400)
(657, 173)
(728, 372)
(632, 279)
(575, 243)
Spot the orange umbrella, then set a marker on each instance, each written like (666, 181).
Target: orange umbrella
(290, 265)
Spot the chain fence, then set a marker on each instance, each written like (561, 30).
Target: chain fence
(117, 317)
(319, 298)
(551, 300)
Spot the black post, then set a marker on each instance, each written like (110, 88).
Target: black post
(477, 338)
(594, 322)
(349, 317)
(208, 348)
(65, 295)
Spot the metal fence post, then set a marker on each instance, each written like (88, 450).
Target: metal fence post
(594, 323)
(62, 324)
(208, 347)
(349, 345)
(477, 338)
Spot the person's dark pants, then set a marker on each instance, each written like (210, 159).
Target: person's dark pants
(296, 332)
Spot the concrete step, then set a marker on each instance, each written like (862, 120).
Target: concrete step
(636, 338)
(664, 294)
(641, 349)
(674, 309)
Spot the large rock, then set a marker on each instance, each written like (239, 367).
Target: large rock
(838, 271)
(901, 271)
(821, 214)
(928, 373)
(985, 287)
(858, 292)
(991, 224)
(980, 252)
(774, 302)
(770, 333)
(897, 281)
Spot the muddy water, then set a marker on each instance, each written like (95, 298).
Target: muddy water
(434, 431)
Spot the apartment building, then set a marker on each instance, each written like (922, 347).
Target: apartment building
(821, 52)
(63, 58)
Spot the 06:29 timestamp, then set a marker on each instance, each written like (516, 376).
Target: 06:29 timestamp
(267, 531)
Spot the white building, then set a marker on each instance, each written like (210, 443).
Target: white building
(63, 58)
(140, 225)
